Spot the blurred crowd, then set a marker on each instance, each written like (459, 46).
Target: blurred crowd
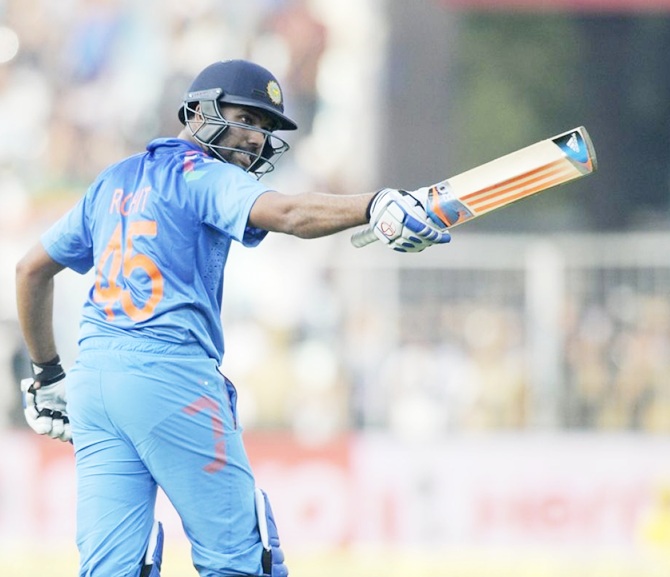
(86, 81)
(618, 357)
(450, 350)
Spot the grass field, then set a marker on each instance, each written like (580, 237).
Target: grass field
(30, 562)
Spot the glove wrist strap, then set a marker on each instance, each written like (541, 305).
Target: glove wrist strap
(48, 372)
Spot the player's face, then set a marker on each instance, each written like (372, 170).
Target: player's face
(243, 145)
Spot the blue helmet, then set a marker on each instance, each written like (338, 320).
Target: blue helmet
(241, 83)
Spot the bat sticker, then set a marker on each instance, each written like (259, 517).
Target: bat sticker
(450, 210)
(574, 146)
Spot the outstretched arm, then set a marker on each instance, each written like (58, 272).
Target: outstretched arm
(396, 217)
(311, 214)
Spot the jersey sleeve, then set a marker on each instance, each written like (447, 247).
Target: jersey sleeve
(225, 195)
(68, 241)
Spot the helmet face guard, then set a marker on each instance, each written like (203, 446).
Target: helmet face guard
(240, 83)
(214, 126)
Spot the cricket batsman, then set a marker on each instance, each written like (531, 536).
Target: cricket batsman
(145, 404)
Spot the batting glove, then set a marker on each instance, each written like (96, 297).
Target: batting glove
(399, 219)
(44, 400)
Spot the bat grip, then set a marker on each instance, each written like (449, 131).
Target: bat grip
(363, 237)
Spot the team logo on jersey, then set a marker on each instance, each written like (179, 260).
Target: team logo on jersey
(274, 92)
(191, 160)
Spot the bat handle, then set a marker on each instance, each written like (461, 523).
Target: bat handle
(363, 237)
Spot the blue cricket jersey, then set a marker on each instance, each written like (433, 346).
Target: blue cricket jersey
(157, 227)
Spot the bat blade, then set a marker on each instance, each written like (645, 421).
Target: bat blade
(510, 178)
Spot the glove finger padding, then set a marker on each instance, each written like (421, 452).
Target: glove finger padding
(272, 561)
(45, 409)
(58, 425)
(399, 220)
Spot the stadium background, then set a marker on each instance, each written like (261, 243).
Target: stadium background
(496, 407)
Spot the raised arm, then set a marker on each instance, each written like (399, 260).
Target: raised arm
(309, 215)
(396, 217)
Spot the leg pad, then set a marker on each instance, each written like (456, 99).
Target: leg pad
(273, 556)
(154, 554)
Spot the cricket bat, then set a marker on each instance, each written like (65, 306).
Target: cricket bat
(510, 178)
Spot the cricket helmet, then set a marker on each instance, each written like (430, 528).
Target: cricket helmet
(241, 83)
